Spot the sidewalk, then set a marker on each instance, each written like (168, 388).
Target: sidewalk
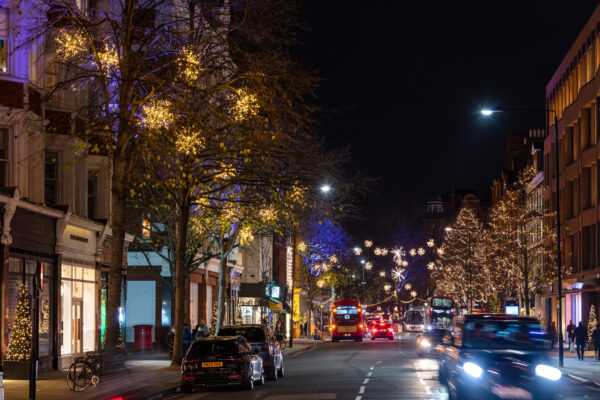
(586, 371)
(142, 377)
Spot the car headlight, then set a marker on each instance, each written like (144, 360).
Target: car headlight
(472, 369)
(425, 343)
(548, 372)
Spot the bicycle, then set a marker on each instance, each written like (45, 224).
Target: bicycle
(87, 370)
(84, 371)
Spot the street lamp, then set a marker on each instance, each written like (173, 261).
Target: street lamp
(325, 188)
(461, 228)
(363, 282)
(488, 112)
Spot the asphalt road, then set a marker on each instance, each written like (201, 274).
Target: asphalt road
(359, 371)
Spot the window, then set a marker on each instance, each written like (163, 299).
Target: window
(51, 178)
(3, 40)
(146, 228)
(588, 247)
(586, 188)
(3, 157)
(92, 203)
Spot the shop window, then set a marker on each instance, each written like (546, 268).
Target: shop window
(4, 40)
(51, 178)
(3, 157)
(92, 201)
(78, 316)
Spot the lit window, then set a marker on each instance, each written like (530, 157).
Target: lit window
(146, 229)
(3, 40)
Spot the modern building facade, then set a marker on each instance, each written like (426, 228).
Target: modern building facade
(573, 95)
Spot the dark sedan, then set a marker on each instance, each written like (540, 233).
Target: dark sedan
(263, 341)
(498, 357)
(221, 361)
(382, 330)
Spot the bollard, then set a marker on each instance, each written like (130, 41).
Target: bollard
(1, 385)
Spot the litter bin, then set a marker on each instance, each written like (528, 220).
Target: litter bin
(143, 337)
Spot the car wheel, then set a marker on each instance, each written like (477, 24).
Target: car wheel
(273, 375)
(249, 384)
(282, 370)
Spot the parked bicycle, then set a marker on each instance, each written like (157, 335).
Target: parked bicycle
(87, 370)
(84, 371)
(281, 341)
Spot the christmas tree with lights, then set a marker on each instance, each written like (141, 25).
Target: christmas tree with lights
(213, 320)
(592, 322)
(19, 344)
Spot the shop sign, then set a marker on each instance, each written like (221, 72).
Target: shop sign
(273, 291)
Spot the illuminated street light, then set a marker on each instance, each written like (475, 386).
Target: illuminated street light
(325, 188)
(487, 112)
(448, 229)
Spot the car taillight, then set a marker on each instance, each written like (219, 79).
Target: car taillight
(391, 330)
(374, 330)
(360, 325)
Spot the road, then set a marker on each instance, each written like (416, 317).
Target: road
(359, 371)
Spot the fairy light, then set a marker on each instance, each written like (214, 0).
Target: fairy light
(413, 293)
(227, 172)
(301, 247)
(407, 286)
(246, 235)
(157, 115)
(333, 259)
(71, 43)
(404, 263)
(321, 283)
(189, 64)
(189, 141)
(430, 265)
(246, 105)
(387, 287)
(108, 57)
(268, 215)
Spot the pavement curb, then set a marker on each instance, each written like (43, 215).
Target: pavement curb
(579, 379)
(307, 349)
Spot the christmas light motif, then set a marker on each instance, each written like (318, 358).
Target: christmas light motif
(382, 274)
(398, 273)
(108, 57)
(189, 64)
(246, 105)
(381, 251)
(368, 265)
(357, 251)
(421, 251)
(412, 252)
(333, 259)
(430, 265)
(301, 246)
(430, 243)
(71, 43)
(413, 293)
(189, 142)
(157, 115)
(387, 287)
(246, 235)
(19, 344)
(368, 243)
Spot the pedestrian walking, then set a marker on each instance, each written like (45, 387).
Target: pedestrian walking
(170, 340)
(187, 337)
(596, 341)
(306, 329)
(581, 338)
(552, 334)
(278, 327)
(571, 336)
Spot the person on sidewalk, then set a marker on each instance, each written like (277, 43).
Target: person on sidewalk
(571, 332)
(552, 334)
(187, 337)
(203, 330)
(596, 341)
(581, 338)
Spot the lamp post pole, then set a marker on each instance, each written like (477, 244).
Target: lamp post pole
(488, 112)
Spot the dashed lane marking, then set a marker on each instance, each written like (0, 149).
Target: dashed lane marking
(361, 390)
(372, 368)
(358, 398)
(369, 374)
(378, 362)
(366, 381)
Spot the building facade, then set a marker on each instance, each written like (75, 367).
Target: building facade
(573, 96)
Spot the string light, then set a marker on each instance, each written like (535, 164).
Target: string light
(246, 105)
(157, 115)
(71, 43)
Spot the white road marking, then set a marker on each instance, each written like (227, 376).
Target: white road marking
(378, 362)
(366, 381)
(361, 390)
(372, 368)
(369, 374)
(358, 398)
(302, 396)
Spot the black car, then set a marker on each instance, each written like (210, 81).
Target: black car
(498, 356)
(430, 341)
(221, 361)
(264, 342)
(382, 329)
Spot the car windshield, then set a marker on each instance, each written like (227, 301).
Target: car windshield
(251, 333)
(414, 317)
(508, 334)
(201, 348)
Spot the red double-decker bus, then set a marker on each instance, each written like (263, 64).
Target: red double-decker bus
(346, 320)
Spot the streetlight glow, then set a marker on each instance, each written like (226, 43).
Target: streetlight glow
(325, 188)
(487, 112)
(448, 229)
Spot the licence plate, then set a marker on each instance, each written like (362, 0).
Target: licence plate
(511, 392)
(347, 329)
(211, 364)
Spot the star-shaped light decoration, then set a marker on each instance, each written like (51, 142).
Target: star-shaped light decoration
(407, 286)
(413, 293)
(430, 265)
(398, 273)
(387, 287)
(412, 252)
(430, 243)
(420, 251)
(368, 265)
(405, 263)
(382, 274)
(357, 251)
(368, 243)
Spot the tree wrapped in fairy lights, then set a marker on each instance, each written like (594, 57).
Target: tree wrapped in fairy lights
(19, 345)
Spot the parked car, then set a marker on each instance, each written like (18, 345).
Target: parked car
(382, 329)
(498, 356)
(221, 361)
(263, 341)
(430, 341)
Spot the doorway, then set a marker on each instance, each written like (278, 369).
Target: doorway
(76, 332)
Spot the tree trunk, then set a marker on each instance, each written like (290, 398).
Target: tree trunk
(115, 276)
(180, 279)
(222, 284)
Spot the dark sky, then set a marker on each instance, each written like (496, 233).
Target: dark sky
(410, 77)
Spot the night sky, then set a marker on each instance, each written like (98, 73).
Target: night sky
(408, 78)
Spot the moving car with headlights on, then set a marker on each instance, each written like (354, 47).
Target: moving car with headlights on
(263, 342)
(382, 329)
(430, 341)
(498, 356)
(221, 361)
